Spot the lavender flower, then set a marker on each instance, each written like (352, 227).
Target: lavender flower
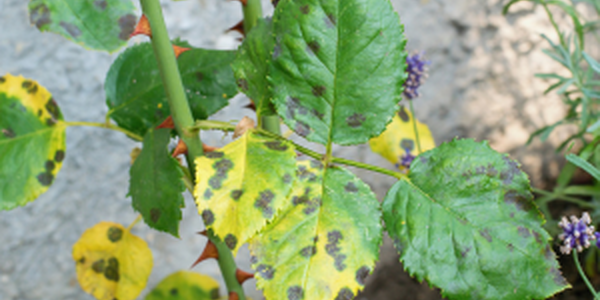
(416, 70)
(577, 233)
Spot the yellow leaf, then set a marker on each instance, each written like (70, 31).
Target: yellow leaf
(185, 285)
(399, 136)
(111, 262)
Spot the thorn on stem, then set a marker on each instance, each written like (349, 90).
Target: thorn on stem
(168, 123)
(233, 296)
(242, 276)
(181, 148)
(210, 251)
(203, 232)
(178, 50)
(251, 106)
(239, 27)
(206, 149)
(142, 27)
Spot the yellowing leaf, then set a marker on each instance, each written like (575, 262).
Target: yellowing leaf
(185, 285)
(242, 186)
(111, 262)
(399, 136)
(32, 140)
(326, 240)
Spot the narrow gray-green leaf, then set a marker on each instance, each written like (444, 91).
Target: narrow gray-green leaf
(465, 222)
(586, 166)
(338, 68)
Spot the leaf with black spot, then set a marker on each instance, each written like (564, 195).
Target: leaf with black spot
(324, 242)
(136, 97)
(338, 68)
(251, 67)
(100, 24)
(32, 141)
(240, 190)
(185, 285)
(112, 263)
(467, 210)
(155, 186)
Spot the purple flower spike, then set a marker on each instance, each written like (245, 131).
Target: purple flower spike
(417, 72)
(577, 233)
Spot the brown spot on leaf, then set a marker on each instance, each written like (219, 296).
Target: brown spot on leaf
(30, 86)
(174, 292)
(351, 187)
(127, 25)
(345, 294)
(45, 179)
(486, 235)
(265, 271)
(295, 292)
(510, 247)
(236, 194)
(308, 251)
(317, 114)
(9, 133)
(302, 129)
(263, 203)
(214, 294)
(355, 120)
(231, 241)
(114, 234)
(403, 114)
(49, 166)
(40, 16)
(155, 215)
(523, 232)
(491, 171)
(208, 217)
(81, 260)
(71, 29)
(98, 266)
(538, 237)
(214, 154)
(199, 76)
(112, 270)
(332, 248)
(330, 21)
(316, 164)
(557, 277)
(287, 178)
(519, 201)
(361, 274)
(52, 109)
(407, 144)
(276, 145)
(464, 252)
(59, 156)
(305, 9)
(318, 90)
(101, 4)
(314, 47)
(242, 84)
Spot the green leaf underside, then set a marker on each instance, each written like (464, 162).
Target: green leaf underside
(185, 285)
(465, 222)
(136, 97)
(324, 242)
(338, 68)
(155, 186)
(96, 24)
(251, 67)
(32, 141)
(243, 185)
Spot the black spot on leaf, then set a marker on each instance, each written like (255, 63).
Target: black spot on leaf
(548, 253)
(486, 235)
(199, 76)
(314, 47)
(49, 166)
(242, 84)
(214, 154)
(98, 266)
(59, 156)
(407, 144)
(9, 133)
(491, 171)
(308, 251)
(510, 247)
(276, 145)
(464, 252)
(214, 294)
(223, 166)
(276, 51)
(351, 187)
(302, 129)
(345, 294)
(208, 192)
(40, 16)
(295, 292)
(537, 236)
(52, 109)
(231, 241)
(71, 29)
(305, 9)
(287, 178)
(174, 292)
(114, 234)
(332, 248)
(236, 194)
(45, 179)
(318, 90)
(265, 271)
(112, 270)
(30, 86)
(155, 215)
(355, 120)
(523, 232)
(403, 114)
(127, 25)
(317, 114)
(519, 201)
(81, 260)
(330, 21)
(263, 203)
(557, 277)
(361, 274)
(2, 79)
(101, 4)
(208, 217)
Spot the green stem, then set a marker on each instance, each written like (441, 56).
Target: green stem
(271, 124)
(183, 119)
(252, 12)
(551, 17)
(585, 279)
(107, 126)
(414, 121)
(560, 196)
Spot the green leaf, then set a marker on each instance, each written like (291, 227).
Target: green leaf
(99, 24)
(338, 68)
(251, 67)
(185, 285)
(155, 186)
(32, 141)
(325, 241)
(135, 93)
(243, 185)
(586, 166)
(465, 222)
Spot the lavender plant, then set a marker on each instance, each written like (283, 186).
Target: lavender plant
(334, 72)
